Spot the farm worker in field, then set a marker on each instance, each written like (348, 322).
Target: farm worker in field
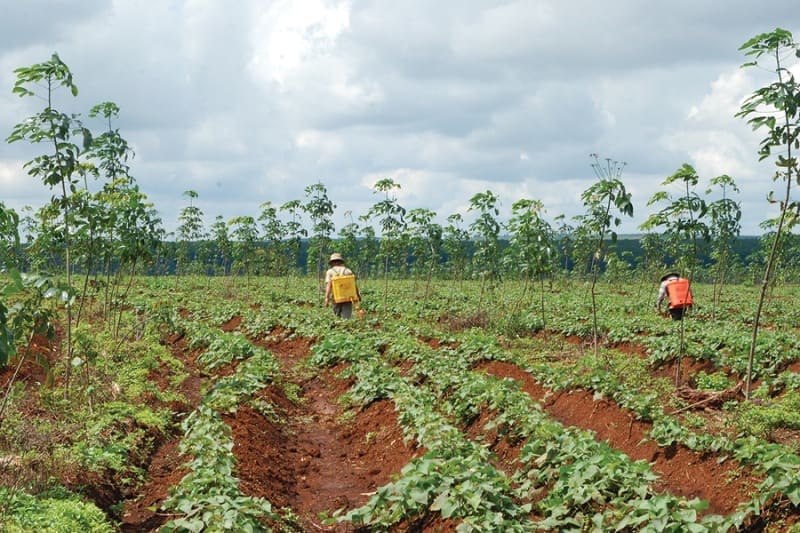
(337, 268)
(676, 289)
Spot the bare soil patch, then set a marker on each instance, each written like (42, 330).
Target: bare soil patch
(330, 461)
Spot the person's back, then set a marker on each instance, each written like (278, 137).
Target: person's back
(677, 291)
(337, 269)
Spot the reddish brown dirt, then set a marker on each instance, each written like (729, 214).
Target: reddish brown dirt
(682, 471)
(232, 324)
(164, 470)
(32, 361)
(321, 463)
(307, 458)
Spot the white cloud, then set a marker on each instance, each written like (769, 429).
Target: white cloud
(724, 98)
(291, 34)
(253, 101)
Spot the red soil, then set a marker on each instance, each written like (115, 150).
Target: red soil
(683, 472)
(310, 458)
(316, 458)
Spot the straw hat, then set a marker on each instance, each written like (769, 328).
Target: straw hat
(335, 257)
(665, 277)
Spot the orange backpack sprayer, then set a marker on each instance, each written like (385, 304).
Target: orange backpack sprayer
(679, 293)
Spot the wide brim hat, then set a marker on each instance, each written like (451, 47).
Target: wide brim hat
(335, 257)
(665, 277)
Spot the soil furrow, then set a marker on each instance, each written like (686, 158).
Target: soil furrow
(682, 472)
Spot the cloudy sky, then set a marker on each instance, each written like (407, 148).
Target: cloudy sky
(247, 101)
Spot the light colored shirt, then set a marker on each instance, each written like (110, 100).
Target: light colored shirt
(337, 271)
(662, 290)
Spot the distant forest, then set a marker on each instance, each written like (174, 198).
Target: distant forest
(627, 247)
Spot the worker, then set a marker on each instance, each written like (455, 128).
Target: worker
(676, 289)
(339, 270)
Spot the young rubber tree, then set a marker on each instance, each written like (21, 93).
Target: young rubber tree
(724, 227)
(109, 152)
(565, 239)
(653, 260)
(60, 168)
(486, 231)
(531, 249)
(190, 231)
(369, 246)
(245, 243)
(603, 200)
(320, 210)
(774, 108)
(683, 219)
(425, 238)
(348, 244)
(295, 233)
(390, 216)
(222, 244)
(683, 222)
(456, 247)
(274, 232)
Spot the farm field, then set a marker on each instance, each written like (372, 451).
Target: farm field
(222, 403)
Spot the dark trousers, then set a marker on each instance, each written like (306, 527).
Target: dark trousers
(343, 310)
(678, 312)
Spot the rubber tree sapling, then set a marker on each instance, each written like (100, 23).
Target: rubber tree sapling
(456, 246)
(776, 109)
(320, 210)
(190, 230)
(531, 249)
(425, 237)
(599, 199)
(60, 169)
(294, 233)
(223, 244)
(274, 232)
(348, 244)
(724, 228)
(245, 239)
(390, 216)
(486, 231)
(683, 221)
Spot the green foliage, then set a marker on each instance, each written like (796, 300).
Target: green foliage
(683, 219)
(29, 312)
(320, 210)
(208, 496)
(10, 253)
(56, 511)
(486, 233)
(715, 381)
(776, 109)
(761, 419)
(115, 435)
